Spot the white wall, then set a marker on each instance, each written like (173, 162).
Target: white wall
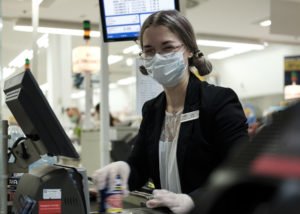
(122, 101)
(256, 73)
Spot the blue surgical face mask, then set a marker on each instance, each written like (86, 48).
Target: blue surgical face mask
(74, 119)
(166, 69)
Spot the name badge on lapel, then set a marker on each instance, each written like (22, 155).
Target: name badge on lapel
(189, 116)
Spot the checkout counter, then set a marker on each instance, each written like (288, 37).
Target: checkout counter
(120, 137)
(60, 189)
(259, 178)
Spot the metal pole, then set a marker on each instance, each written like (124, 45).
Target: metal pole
(3, 168)
(35, 24)
(87, 124)
(3, 137)
(104, 109)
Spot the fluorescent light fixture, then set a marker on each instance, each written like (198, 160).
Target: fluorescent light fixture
(232, 48)
(44, 87)
(224, 44)
(232, 52)
(8, 72)
(59, 31)
(19, 61)
(265, 23)
(127, 81)
(134, 49)
(37, 2)
(43, 41)
(54, 27)
(129, 61)
(112, 86)
(78, 95)
(112, 59)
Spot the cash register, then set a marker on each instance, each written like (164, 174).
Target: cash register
(58, 188)
(52, 188)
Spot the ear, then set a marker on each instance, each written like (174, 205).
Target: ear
(189, 54)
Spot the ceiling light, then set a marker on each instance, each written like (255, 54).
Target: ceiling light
(232, 48)
(231, 52)
(19, 61)
(265, 23)
(127, 81)
(43, 41)
(37, 2)
(78, 95)
(59, 31)
(112, 85)
(224, 44)
(129, 61)
(54, 27)
(134, 49)
(112, 59)
(44, 87)
(8, 72)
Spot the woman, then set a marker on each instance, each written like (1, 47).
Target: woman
(188, 129)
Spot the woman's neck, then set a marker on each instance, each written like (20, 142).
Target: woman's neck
(176, 95)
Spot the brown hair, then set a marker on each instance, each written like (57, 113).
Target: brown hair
(180, 26)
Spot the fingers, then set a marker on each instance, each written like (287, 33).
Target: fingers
(161, 198)
(160, 192)
(99, 178)
(108, 176)
(153, 203)
(124, 178)
(112, 177)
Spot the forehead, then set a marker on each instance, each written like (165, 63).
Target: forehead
(157, 35)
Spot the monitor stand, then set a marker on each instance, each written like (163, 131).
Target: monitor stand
(25, 152)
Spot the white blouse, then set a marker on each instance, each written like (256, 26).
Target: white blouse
(169, 176)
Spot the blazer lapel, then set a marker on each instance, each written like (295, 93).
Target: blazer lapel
(192, 103)
(158, 115)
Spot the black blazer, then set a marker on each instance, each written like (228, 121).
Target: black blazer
(203, 143)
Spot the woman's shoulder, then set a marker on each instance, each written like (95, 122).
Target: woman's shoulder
(211, 88)
(213, 95)
(154, 103)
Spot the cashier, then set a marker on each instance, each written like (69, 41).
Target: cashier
(188, 129)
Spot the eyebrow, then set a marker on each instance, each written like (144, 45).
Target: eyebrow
(163, 43)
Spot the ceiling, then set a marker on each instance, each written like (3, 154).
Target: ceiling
(228, 19)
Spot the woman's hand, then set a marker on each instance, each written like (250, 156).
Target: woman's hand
(178, 203)
(105, 177)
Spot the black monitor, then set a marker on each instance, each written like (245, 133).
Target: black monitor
(34, 115)
(122, 20)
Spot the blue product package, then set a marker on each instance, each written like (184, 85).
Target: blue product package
(111, 201)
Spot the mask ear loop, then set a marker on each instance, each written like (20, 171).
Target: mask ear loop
(143, 70)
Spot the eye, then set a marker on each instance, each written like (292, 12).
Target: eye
(149, 51)
(168, 48)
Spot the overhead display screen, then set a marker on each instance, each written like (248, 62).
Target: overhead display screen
(122, 19)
